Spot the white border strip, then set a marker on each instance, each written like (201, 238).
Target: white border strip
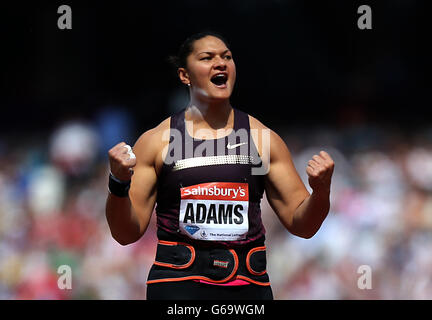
(210, 161)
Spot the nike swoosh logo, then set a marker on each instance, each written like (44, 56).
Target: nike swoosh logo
(235, 145)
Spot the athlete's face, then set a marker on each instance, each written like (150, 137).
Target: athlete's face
(210, 70)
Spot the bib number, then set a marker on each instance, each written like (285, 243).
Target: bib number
(216, 211)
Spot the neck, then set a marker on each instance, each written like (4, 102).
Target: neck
(214, 113)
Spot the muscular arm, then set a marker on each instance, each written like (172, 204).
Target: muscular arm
(299, 211)
(128, 217)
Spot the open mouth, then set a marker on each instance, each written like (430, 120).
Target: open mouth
(220, 80)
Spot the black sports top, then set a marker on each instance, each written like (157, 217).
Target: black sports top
(207, 191)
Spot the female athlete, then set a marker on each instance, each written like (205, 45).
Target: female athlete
(205, 169)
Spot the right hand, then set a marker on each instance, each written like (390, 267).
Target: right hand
(122, 161)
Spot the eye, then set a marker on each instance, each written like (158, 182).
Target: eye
(228, 57)
(206, 58)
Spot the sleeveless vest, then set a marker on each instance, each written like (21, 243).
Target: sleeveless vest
(208, 208)
(206, 189)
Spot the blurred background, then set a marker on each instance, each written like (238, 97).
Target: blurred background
(303, 68)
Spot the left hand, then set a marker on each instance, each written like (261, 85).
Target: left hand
(320, 170)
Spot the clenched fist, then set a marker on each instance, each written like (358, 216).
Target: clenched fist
(320, 170)
(122, 160)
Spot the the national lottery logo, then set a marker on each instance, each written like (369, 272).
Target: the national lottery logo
(218, 209)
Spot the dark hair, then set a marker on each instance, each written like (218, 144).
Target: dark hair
(179, 60)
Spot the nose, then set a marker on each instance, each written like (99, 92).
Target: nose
(220, 64)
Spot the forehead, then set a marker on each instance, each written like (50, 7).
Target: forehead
(209, 43)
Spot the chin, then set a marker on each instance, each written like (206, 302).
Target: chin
(218, 99)
(214, 94)
(223, 96)
(220, 95)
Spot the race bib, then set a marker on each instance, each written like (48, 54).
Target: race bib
(215, 211)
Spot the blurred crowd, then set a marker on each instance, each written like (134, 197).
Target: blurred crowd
(52, 213)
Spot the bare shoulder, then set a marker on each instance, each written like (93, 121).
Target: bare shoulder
(276, 142)
(149, 144)
(256, 124)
